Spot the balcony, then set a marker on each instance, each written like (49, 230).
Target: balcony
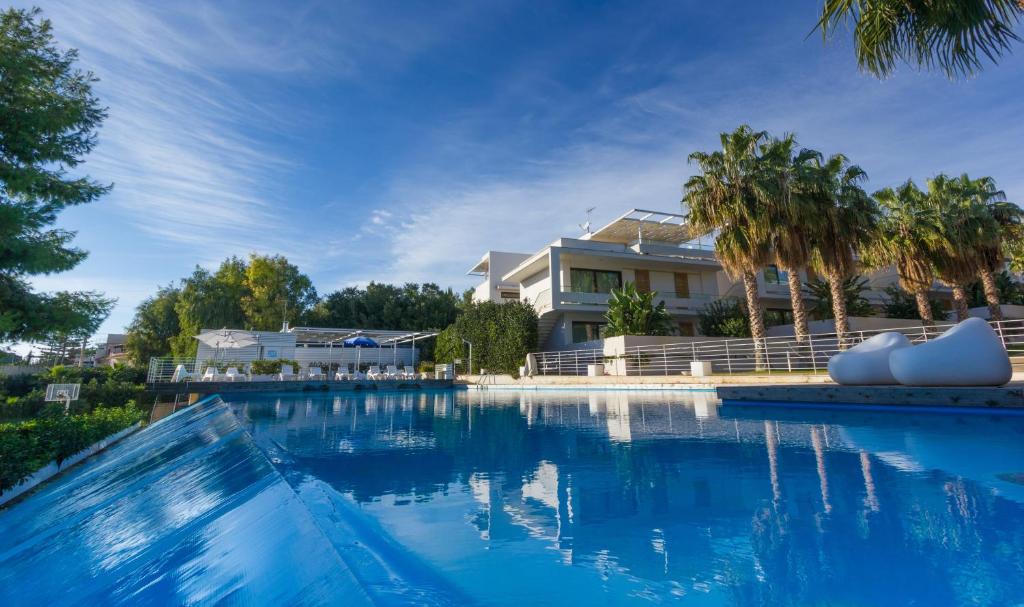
(681, 302)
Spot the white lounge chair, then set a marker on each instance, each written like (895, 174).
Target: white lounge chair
(232, 374)
(287, 373)
(968, 354)
(374, 373)
(867, 363)
(210, 374)
(408, 372)
(357, 374)
(315, 373)
(391, 372)
(182, 374)
(342, 373)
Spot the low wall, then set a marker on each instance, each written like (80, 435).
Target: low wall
(222, 387)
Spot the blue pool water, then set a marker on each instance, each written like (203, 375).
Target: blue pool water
(530, 498)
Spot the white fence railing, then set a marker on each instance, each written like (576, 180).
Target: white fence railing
(743, 355)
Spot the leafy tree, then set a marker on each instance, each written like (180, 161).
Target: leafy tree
(900, 304)
(154, 326)
(846, 219)
(275, 291)
(631, 312)
(1004, 223)
(410, 307)
(908, 236)
(1009, 291)
(728, 197)
(724, 318)
(70, 319)
(209, 300)
(955, 36)
(502, 335)
(853, 288)
(48, 122)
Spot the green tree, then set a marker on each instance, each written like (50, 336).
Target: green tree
(908, 236)
(410, 307)
(209, 301)
(853, 288)
(846, 221)
(502, 335)
(900, 304)
(955, 36)
(728, 197)
(274, 291)
(154, 326)
(724, 318)
(631, 312)
(48, 122)
(70, 319)
(1004, 222)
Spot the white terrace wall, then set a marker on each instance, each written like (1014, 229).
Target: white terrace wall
(273, 345)
(365, 356)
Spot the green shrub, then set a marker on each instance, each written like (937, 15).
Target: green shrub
(631, 312)
(724, 317)
(28, 446)
(502, 335)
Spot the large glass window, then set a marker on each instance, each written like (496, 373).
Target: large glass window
(594, 281)
(774, 276)
(587, 331)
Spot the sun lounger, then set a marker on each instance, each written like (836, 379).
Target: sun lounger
(315, 373)
(181, 374)
(233, 375)
(344, 373)
(286, 373)
(210, 374)
(408, 372)
(391, 372)
(374, 373)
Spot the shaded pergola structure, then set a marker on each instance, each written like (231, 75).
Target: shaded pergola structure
(333, 338)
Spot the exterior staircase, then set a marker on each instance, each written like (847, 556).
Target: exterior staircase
(545, 325)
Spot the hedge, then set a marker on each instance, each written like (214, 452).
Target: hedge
(28, 446)
(502, 335)
(21, 396)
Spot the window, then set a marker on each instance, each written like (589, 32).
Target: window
(682, 283)
(587, 331)
(686, 329)
(778, 316)
(594, 281)
(774, 276)
(509, 294)
(642, 280)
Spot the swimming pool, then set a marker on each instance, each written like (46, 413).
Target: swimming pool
(527, 498)
(631, 498)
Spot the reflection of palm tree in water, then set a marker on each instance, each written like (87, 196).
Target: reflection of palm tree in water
(870, 498)
(819, 457)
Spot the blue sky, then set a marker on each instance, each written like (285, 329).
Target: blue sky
(397, 141)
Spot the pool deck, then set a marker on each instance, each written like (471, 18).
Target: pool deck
(222, 387)
(1010, 396)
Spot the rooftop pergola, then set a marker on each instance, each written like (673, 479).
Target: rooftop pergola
(645, 225)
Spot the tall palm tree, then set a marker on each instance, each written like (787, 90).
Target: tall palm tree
(908, 236)
(964, 229)
(792, 217)
(954, 35)
(1004, 220)
(847, 217)
(728, 197)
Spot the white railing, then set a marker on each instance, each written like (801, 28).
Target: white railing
(161, 369)
(771, 355)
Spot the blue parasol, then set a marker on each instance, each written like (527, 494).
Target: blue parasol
(360, 341)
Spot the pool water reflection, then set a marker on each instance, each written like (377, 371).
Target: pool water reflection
(630, 497)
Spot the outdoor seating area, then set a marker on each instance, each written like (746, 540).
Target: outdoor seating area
(299, 354)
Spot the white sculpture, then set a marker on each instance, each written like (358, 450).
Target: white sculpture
(867, 363)
(968, 354)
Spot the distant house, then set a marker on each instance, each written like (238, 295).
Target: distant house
(112, 351)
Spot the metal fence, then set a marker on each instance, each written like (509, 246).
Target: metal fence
(161, 369)
(770, 355)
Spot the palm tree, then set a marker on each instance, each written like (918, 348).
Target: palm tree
(953, 35)
(1003, 224)
(728, 197)
(846, 222)
(964, 231)
(792, 217)
(908, 236)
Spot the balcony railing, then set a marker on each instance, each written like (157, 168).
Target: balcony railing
(690, 301)
(770, 355)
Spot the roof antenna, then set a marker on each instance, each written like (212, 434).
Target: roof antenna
(586, 226)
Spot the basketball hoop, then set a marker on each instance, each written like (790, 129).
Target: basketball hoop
(62, 393)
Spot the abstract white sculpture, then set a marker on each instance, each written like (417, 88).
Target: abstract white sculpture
(867, 363)
(968, 354)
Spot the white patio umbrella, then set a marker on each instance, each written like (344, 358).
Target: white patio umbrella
(228, 338)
